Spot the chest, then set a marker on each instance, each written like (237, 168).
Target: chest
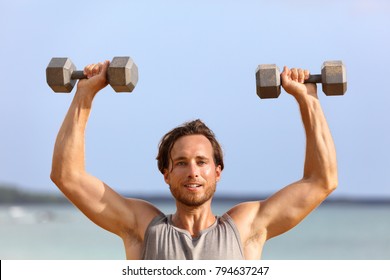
(166, 242)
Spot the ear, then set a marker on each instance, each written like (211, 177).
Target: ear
(218, 173)
(166, 176)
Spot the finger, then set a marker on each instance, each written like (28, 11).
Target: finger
(307, 74)
(88, 70)
(294, 74)
(301, 76)
(104, 67)
(286, 72)
(285, 75)
(96, 69)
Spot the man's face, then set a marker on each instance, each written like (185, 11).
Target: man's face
(192, 174)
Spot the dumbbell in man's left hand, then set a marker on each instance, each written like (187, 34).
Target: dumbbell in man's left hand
(293, 83)
(96, 79)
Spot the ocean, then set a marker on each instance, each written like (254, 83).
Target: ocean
(61, 232)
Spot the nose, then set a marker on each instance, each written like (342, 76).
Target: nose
(193, 170)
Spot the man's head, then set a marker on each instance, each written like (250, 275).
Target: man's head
(196, 127)
(191, 160)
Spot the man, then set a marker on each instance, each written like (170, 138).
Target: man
(191, 162)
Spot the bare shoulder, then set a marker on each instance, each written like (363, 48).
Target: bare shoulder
(141, 213)
(250, 225)
(246, 217)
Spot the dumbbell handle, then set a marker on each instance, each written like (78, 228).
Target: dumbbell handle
(313, 79)
(76, 75)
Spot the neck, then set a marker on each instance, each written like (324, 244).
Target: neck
(193, 219)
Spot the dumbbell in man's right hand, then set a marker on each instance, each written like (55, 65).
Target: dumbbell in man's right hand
(61, 74)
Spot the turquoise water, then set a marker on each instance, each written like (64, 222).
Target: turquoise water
(61, 232)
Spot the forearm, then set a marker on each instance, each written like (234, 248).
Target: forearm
(69, 149)
(320, 160)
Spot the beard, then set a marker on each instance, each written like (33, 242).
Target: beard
(193, 199)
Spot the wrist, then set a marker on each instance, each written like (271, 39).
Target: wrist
(84, 98)
(307, 97)
(307, 102)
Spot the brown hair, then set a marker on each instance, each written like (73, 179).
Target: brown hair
(189, 128)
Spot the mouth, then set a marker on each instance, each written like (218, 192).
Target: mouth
(192, 186)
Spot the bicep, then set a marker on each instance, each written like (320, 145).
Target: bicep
(101, 204)
(289, 206)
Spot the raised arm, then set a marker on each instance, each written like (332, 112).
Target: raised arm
(94, 198)
(263, 220)
(290, 205)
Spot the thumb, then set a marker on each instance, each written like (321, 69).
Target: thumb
(105, 65)
(286, 75)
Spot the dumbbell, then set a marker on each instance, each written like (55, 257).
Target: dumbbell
(333, 78)
(61, 74)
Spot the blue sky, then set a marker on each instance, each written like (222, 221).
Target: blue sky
(197, 59)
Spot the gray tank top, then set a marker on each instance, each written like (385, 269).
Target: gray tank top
(163, 241)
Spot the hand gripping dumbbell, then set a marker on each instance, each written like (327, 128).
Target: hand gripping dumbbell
(61, 74)
(333, 78)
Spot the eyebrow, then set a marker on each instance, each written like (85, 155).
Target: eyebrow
(185, 158)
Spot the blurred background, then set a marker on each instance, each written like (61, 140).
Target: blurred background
(196, 59)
